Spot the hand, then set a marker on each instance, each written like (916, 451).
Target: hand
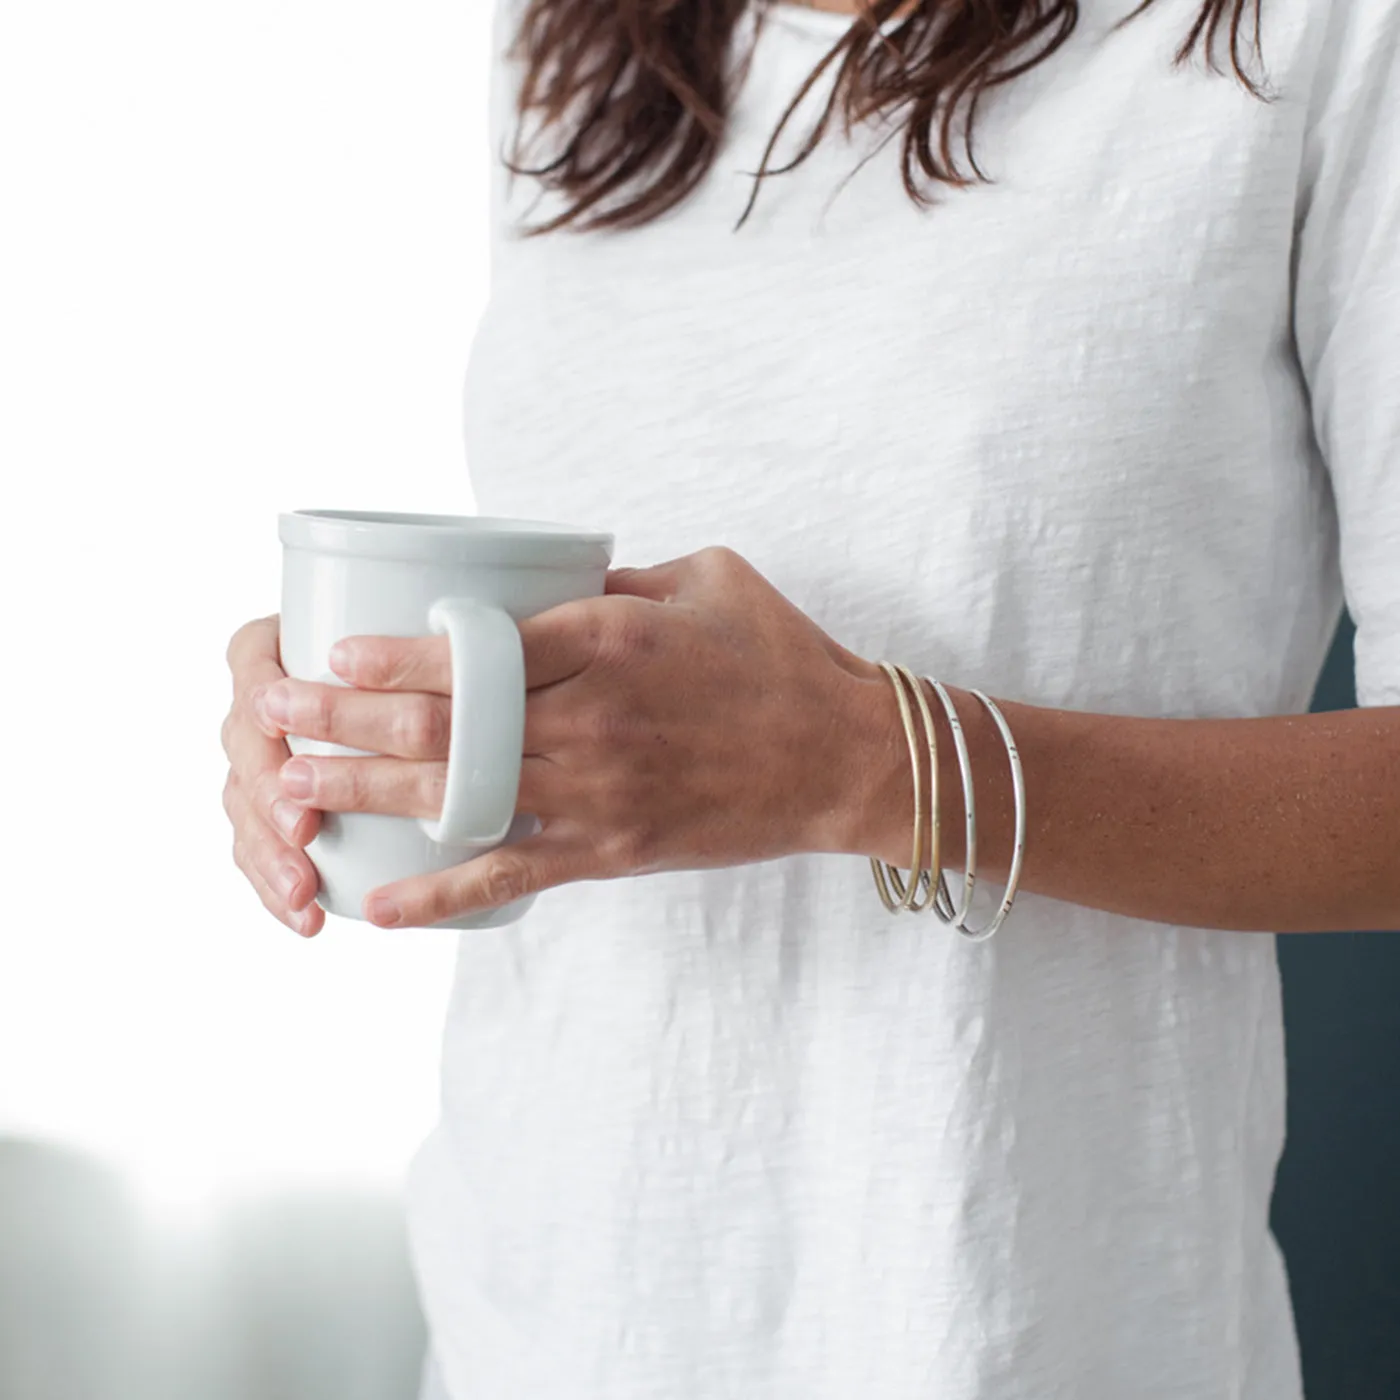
(265, 851)
(691, 717)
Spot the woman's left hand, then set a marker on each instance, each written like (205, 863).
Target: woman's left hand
(690, 717)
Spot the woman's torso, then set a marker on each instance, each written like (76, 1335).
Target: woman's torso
(739, 1132)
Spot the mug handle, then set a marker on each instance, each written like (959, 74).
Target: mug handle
(488, 723)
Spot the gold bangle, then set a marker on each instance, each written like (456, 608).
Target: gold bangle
(878, 867)
(930, 875)
(921, 879)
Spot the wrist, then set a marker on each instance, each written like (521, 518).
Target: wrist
(878, 811)
(882, 805)
(871, 811)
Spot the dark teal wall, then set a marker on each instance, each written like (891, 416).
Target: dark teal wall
(1336, 1210)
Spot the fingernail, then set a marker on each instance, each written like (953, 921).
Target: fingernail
(383, 911)
(286, 816)
(296, 778)
(340, 658)
(288, 878)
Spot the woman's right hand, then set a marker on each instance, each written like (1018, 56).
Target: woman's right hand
(269, 853)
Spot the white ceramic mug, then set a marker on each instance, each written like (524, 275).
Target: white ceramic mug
(352, 573)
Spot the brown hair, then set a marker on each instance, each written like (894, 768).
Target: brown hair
(637, 91)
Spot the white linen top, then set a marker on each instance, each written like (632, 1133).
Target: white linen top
(1114, 433)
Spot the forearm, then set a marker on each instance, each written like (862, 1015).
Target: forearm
(1288, 824)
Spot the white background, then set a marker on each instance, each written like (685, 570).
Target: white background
(242, 253)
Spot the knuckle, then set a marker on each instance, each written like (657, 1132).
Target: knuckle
(718, 558)
(321, 708)
(625, 635)
(249, 853)
(608, 726)
(629, 847)
(231, 795)
(353, 778)
(423, 728)
(504, 880)
(267, 788)
(377, 665)
(367, 664)
(614, 793)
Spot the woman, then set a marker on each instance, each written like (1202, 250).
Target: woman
(1108, 435)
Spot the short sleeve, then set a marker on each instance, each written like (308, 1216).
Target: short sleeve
(1347, 315)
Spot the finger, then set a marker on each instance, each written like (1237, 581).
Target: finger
(254, 764)
(394, 663)
(411, 724)
(271, 900)
(562, 641)
(661, 582)
(288, 871)
(297, 825)
(402, 788)
(558, 643)
(398, 787)
(550, 721)
(553, 857)
(255, 662)
(249, 746)
(308, 922)
(284, 879)
(254, 653)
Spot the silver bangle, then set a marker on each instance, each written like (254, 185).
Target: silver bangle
(944, 907)
(1018, 787)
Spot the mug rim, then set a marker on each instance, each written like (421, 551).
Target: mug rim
(430, 537)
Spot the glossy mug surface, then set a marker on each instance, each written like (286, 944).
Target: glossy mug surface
(381, 573)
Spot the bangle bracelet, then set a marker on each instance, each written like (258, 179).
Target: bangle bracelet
(924, 873)
(930, 881)
(902, 901)
(945, 909)
(1018, 787)
(905, 897)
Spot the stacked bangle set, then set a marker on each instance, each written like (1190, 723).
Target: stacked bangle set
(927, 887)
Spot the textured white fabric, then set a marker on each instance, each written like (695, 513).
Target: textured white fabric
(741, 1133)
(431, 1386)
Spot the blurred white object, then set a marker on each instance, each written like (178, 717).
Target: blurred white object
(304, 1294)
